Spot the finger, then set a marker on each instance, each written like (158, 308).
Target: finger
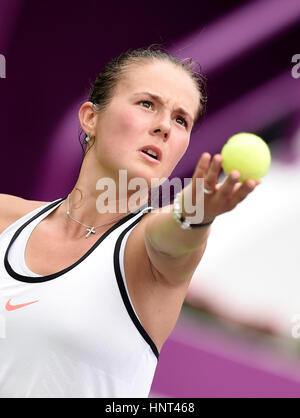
(202, 166)
(227, 188)
(242, 192)
(212, 176)
(239, 185)
(257, 182)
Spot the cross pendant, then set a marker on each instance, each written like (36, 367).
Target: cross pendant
(91, 231)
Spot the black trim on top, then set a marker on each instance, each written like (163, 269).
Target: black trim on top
(30, 279)
(123, 291)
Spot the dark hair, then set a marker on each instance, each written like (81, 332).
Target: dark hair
(102, 91)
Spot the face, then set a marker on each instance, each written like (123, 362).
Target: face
(154, 104)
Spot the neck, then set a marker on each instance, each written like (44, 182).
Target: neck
(83, 215)
(92, 206)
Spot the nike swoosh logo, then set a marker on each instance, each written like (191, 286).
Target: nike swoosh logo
(10, 307)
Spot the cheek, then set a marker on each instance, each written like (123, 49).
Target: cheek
(123, 129)
(185, 145)
(181, 145)
(129, 123)
(178, 149)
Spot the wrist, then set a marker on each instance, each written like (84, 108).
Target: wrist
(185, 220)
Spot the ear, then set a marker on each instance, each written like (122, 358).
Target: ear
(87, 118)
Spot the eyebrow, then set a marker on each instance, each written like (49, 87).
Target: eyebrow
(160, 100)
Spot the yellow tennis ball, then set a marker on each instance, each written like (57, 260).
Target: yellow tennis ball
(248, 154)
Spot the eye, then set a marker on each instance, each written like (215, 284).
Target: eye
(147, 102)
(183, 120)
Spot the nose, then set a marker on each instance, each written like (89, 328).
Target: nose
(162, 128)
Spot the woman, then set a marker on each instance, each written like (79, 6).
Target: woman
(80, 319)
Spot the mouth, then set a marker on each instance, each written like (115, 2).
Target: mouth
(148, 157)
(152, 152)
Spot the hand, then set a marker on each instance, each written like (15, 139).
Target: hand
(225, 196)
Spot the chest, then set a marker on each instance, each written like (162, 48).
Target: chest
(156, 304)
(44, 255)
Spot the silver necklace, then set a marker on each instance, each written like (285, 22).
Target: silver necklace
(90, 229)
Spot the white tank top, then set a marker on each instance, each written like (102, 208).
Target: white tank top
(73, 333)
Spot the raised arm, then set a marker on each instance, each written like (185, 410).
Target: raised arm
(175, 252)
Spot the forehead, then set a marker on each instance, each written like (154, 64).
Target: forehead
(172, 83)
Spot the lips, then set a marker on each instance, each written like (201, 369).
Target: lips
(147, 157)
(153, 148)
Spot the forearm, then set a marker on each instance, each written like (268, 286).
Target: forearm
(166, 235)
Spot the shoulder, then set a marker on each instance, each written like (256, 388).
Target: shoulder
(13, 207)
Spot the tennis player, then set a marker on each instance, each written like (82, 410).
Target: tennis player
(87, 298)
